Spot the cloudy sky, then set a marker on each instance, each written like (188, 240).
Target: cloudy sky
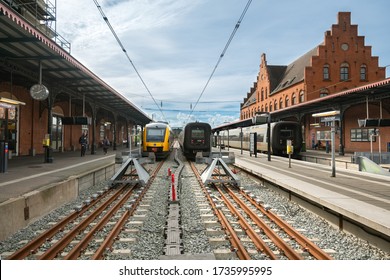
(176, 44)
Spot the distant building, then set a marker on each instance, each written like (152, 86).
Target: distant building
(342, 62)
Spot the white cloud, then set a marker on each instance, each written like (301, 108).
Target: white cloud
(175, 45)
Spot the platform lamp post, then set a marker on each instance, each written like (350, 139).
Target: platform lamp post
(262, 118)
(331, 116)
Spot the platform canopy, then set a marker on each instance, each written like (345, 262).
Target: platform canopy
(23, 49)
(373, 93)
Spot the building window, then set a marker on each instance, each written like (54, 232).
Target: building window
(362, 134)
(324, 92)
(344, 72)
(363, 72)
(262, 94)
(325, 72)
(293, 99)
(276, 105)
(266, 107)
(280, 103)
(287, 102)
(270, 107)
(301, 96)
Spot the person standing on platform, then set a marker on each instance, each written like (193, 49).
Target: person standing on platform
(83, 142)
(106, 144)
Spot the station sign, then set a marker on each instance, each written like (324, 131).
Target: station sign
(330, 119)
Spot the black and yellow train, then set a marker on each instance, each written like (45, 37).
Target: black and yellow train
(157, 139)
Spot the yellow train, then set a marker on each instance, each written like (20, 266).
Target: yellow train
(157, 138)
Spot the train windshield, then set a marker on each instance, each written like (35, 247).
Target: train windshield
(155, 134)
(286, 133)
(197, 133)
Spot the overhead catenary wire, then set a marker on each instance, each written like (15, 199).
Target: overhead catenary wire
(223, 53)
(128, 57)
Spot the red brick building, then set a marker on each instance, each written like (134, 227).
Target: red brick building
(341, 63)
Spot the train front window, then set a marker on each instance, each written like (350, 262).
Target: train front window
(197, 133)
(155, 135)
(286, 134)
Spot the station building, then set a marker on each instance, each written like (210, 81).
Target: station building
(340, 74)
(47, 97)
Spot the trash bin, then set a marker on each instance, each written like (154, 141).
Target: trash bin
(3, 156)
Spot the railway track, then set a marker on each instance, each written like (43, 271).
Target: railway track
(242, 216)
(75, 234)
(219, 220)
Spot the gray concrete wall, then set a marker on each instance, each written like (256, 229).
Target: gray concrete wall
(19, 212)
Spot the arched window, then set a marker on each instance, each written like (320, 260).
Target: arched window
(293, 99)
(344, 72)
(301, 96)
(262, 94)
(363, 72)
(280, 103)
(276, 105)
(324, 92)
(270, 106)
(266, 107)
(287, 101)
(325, 72)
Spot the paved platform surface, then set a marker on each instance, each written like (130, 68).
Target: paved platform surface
(27, 173)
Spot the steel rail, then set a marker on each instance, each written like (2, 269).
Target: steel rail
(53, 251)
(109, 240)
(83, 243)
(288, 251)
(235, 241)
(306, 244)
(241, 252)
(257, 241)
(34, 244)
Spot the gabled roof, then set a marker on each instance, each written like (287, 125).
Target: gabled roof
(294, 73)
(281, 76)
(275, 74)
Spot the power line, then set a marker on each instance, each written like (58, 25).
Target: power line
(223, 52)
(185, 111)
(124, 50)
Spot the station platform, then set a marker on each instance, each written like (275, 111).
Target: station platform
(31, 188)
(357, 202)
